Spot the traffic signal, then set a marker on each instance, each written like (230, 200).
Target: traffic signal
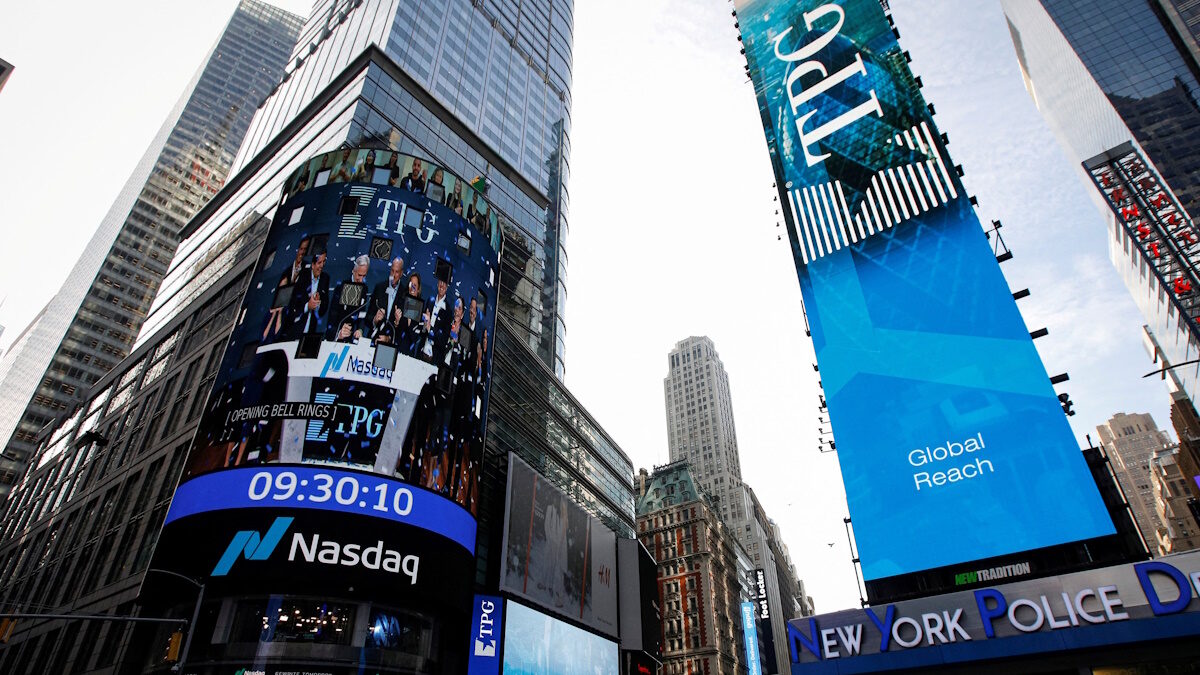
(1065, 399)
(173, 645)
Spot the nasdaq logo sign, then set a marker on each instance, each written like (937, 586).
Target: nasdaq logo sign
(252, 546)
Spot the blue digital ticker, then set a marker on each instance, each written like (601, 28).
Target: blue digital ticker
(321, 488)
(952, 442)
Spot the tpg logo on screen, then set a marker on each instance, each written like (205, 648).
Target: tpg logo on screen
(488, 617)
(485, 646)
(807, 65)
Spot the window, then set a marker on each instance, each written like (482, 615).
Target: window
(292, 620)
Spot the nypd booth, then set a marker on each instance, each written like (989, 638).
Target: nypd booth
(1128, 619)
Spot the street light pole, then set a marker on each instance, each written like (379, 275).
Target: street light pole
(191, 626)
(187, 643)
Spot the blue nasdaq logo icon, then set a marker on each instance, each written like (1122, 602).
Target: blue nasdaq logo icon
(251, 545)
(334, 362)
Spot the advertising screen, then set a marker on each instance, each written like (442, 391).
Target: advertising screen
(353, 390)
(556, 555)
(750, 639)
(952, 444)
(539, 644)
(641, 620)
(762, 610)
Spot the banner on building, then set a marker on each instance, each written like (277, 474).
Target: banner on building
(1111, 606)
(952, 443)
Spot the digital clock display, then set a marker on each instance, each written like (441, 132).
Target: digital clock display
(321, 488)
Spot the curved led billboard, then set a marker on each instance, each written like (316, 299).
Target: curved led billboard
(952, 443)
(340, 448)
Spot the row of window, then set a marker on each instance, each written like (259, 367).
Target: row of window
(97, 539)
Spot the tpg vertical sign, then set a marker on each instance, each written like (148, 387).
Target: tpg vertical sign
(487, 621)
(750, 635)
(806, 67)
(952, 442)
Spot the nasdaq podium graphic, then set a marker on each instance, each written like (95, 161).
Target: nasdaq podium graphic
(331, 490)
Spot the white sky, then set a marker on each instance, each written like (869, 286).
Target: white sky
(672, 218)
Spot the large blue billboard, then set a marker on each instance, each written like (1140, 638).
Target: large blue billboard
(952, 443)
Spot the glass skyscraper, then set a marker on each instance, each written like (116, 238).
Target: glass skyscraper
(481, 88)
(1120, 80)
(1150, 77)
(419, 77)
(92, 322)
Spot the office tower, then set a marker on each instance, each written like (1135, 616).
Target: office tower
(698, 579)
(479, 90)
(91, 323)
(6, 69)
(701, 432)
(1174, 504)
(1118, 83)
(1130, 441)
(700, 427)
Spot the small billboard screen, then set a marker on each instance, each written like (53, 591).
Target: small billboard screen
(538, 644)
(557, 555)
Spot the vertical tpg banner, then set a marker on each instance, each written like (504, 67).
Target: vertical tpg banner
(952, 443)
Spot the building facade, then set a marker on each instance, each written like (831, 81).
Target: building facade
(1173, 504)
(1117, 77)
(390, 76)
(93, 320)
(1130, 442)
(1186, 423)
(701, 432)
(700, 587)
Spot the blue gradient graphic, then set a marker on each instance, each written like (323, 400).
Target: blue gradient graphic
(918, 339)
(232, 489)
